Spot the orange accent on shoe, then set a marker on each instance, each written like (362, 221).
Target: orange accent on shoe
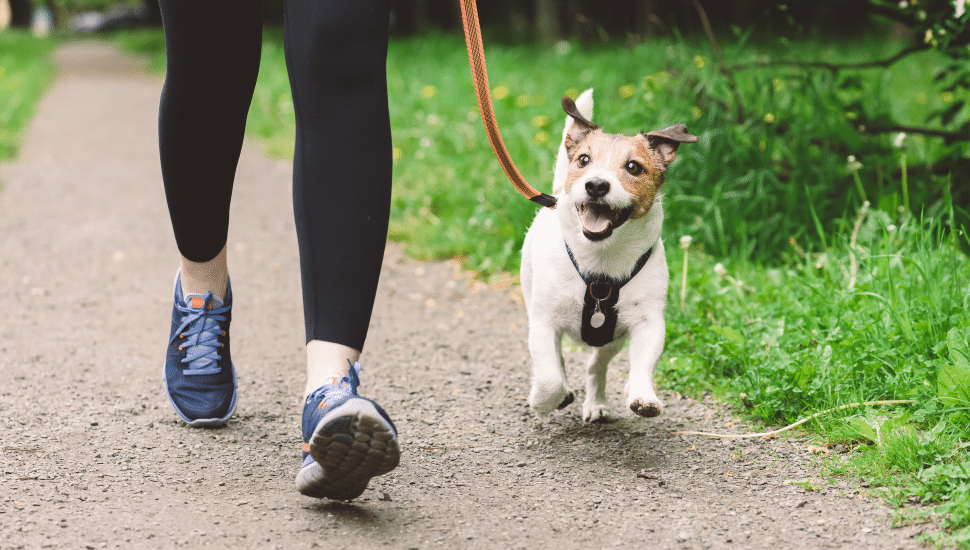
(306, 447)
(197, 302)
(322, 405)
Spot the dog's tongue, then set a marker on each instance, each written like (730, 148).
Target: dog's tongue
(595, 221)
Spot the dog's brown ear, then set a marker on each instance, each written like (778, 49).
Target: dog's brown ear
(580, 127)
(569, 106)
(665, 141)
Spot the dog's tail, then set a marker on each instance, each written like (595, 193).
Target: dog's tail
(585, 105)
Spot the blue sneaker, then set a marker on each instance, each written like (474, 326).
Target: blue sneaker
(347, 439)
(199, 377)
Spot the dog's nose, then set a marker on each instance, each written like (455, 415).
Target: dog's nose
(597, 188)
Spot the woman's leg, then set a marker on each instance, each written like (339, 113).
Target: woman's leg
(212, 50)
(336, 54)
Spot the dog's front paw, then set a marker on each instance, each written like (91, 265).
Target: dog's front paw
(544, 401)
(596, 412)
(647, 407)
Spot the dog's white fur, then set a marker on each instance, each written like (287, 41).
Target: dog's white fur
(554, 291)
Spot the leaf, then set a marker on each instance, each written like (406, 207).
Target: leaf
(864, 428)
(953, 381)
(876, 428)
(728, 334)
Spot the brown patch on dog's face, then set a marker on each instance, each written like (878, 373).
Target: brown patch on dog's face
(627, 160)
(599, 162)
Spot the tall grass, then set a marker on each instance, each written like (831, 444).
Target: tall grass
(26, 71)
(878, 316)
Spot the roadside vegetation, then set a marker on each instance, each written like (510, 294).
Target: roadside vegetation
(25, 73)
(827, 262)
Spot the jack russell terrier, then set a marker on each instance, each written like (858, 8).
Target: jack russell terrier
(594, 268)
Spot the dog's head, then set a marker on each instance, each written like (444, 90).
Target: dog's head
(613, 178)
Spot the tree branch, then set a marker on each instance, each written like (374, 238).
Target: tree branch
(834, 67)
(706, 23)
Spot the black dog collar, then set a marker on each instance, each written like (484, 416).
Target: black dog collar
(599, 301)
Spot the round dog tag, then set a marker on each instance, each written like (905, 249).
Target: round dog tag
(597, 319)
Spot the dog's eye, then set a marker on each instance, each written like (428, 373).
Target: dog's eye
(582, 161)
(634, 168)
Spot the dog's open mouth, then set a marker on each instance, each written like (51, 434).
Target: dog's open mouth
(599, 219)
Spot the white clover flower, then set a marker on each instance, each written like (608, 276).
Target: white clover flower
(685, 241)
(852, 165)
(903, 4)
(959, 8)
(898, 141)
(719, 270)
(891, 227)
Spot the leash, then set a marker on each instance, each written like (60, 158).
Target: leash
(476, 60)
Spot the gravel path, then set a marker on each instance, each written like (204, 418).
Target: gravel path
(94, 457)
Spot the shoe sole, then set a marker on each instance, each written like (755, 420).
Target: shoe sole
(350, 445)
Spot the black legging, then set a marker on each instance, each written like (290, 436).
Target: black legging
(336, 53)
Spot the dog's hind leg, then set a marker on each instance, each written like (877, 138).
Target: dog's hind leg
(549, 388)
(596, 408)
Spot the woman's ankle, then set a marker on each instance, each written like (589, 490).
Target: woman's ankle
(201, 277)
(326, 361)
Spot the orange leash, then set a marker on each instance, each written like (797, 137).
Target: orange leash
(476, 59)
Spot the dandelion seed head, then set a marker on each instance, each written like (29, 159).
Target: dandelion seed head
(685, 241)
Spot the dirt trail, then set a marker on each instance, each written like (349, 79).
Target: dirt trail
(94, 457)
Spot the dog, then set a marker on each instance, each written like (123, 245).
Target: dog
(594, 268)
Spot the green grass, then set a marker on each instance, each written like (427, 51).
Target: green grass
(800, 316)
(796, 339)
(26, 71)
